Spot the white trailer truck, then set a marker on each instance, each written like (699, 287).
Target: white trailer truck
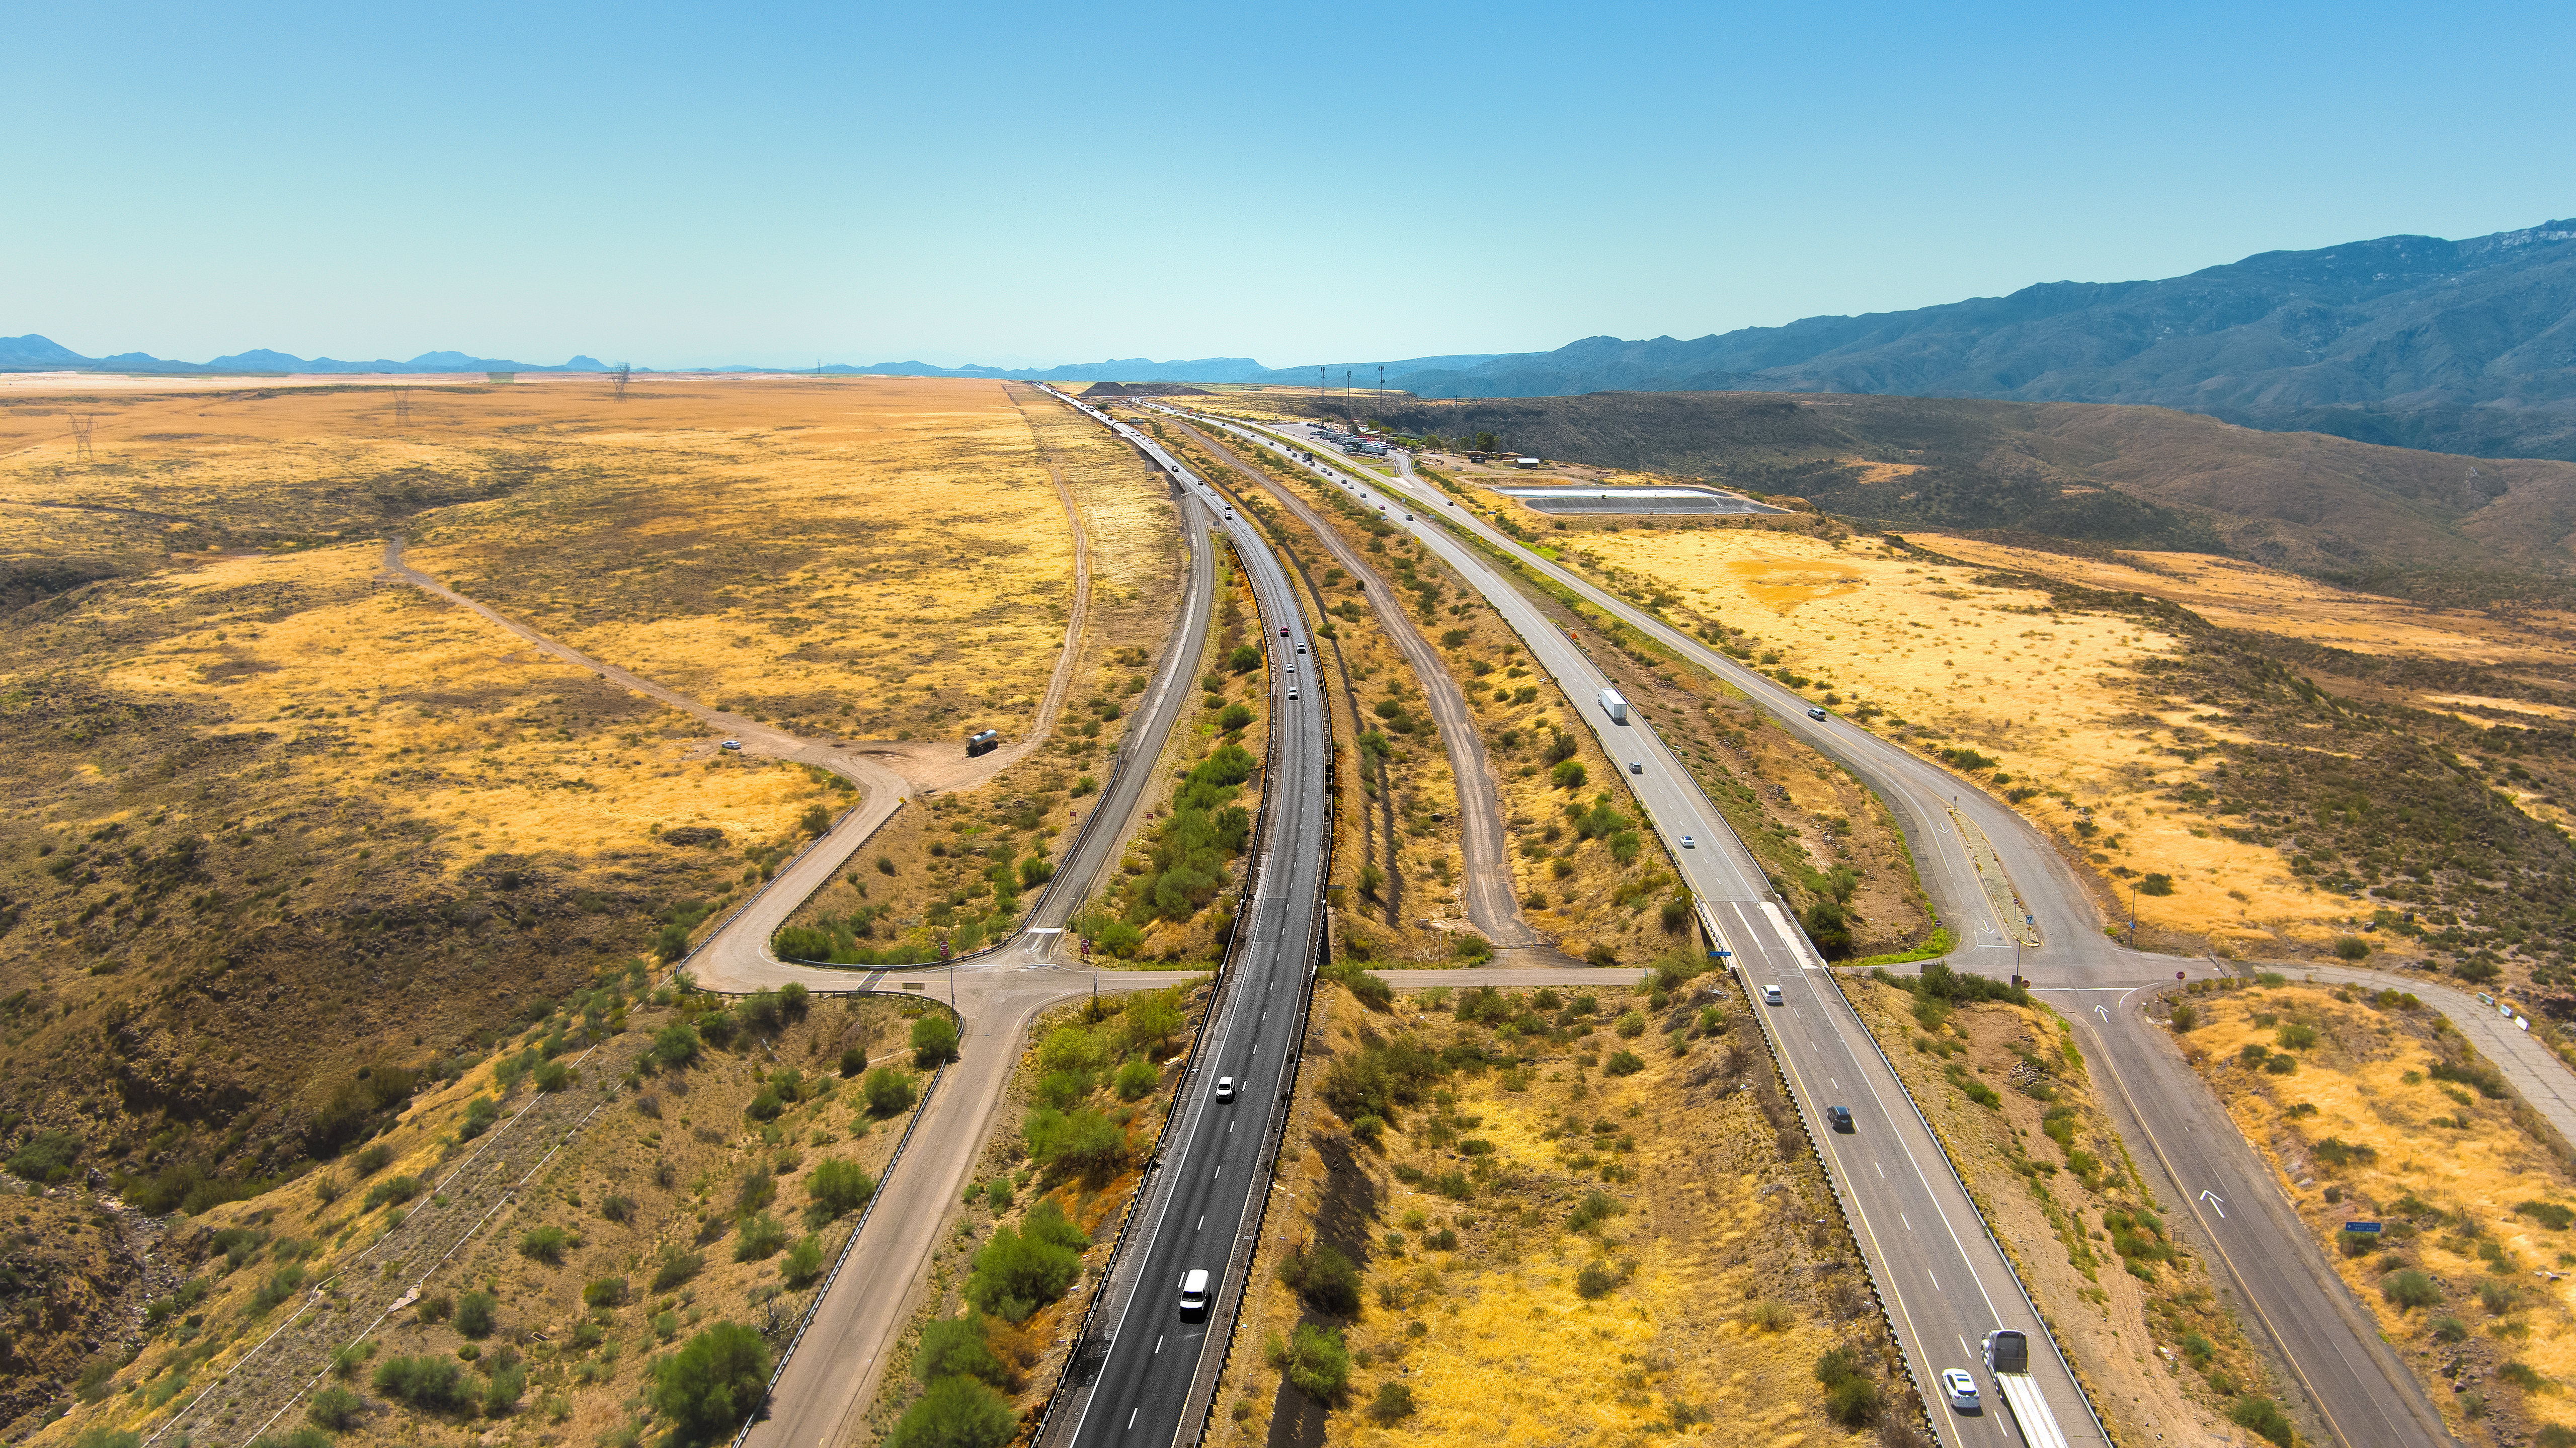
(2007, 1353)
(1614, 706)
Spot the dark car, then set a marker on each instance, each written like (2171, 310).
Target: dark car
(1838, 1117)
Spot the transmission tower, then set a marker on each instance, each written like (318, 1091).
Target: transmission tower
(82, 422)
(402, 407)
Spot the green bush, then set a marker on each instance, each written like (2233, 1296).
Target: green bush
(1018, 1272)
(1631, 1025)
(934, 1040)
(2409, 1289)
(1081, 1144)
(605, 1292)
(1204, 831)
(1319, 1273)
(480, 1114)
(956, 1347)
(544, 1244)
(675, 1268)
(957, 1412)
(1394, 1403)
(712, 1385)
(835, 1188)
(553, 1076)
(1233, 717)
(2262, 1417)
(1568, 774)
(853, 1061)
(432, 1384)
(474, 1314)
(2155, 882)
(1623, 1063)
(503, 1390)
(676, 1046)
(1851, 1399)
(1594, 1281)
(2295, 1037)
(336, 1408)
(759, 1238)
(1595, 1209)
(2352, 947)
(802, 1264)
(2548, 1214)
(1315, 1361)
(1135, 1079)
(888, 1091)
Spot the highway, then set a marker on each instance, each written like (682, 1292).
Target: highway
(1945, 1282)
(1203, 1195)
(2352, 1382)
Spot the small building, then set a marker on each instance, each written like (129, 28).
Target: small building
(1524, 462)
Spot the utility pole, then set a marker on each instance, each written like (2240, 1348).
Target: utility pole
(1381, 391)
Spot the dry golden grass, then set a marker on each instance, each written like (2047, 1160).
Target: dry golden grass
(1492, 1334)
(2233, 593)
(2053, 696)
(2440, 1163)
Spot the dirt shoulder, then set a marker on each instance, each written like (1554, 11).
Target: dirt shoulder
(2369, 1107)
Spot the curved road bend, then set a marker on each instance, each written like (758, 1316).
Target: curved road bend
(1199, 1199)
(2352, 1380)
(1487, 886)
(1945, 1282)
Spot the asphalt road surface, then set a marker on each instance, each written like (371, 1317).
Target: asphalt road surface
(1213, 1175)
(1486, 888)
(1945, 1281)
(2350, 1382)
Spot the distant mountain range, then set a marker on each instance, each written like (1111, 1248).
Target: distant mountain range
(2453, 346)
(32, 353)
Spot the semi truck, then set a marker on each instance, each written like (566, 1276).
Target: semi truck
(1614, 706)
(2007, 1353)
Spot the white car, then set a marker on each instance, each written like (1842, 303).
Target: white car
(1689, 844)
(1960, 1389)
(1225, 1088)
(734, 745)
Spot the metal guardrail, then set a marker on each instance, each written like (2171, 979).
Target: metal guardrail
(1983, 1224)
(1244, 915)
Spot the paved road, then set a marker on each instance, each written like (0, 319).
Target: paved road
(1945, 1281)
(1487, 886)
(2352, 1382)
(1153, 1372)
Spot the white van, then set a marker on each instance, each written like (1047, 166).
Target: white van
(1194, 1291)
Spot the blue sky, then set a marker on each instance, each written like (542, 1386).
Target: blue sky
(712, 184)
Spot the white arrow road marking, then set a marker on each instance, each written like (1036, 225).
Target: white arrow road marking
(2215, 1200)
(2104, 1013)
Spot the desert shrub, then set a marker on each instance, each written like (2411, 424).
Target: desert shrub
(676, 1046)
(1631, 1025)
(2351, 947)
(2450, 1329)
(2409, 1289)
(954, 1347)
(480, 1114)
(1018, 1272)
(1623, 1063)
(1393, 1404)
(503, 1390)
(934, 1040)
(853, 1061)
(281, 1285)
(2335, 1151)
(2486, 1079)
(711, 1385)
(2262, 1417)
(553, 1076)
(1326, 1279)
(394, 1190)
(888, 1091)
(1594, 1281)
(544, 1244)
(835, 1188)
(605, 1292)
(335, 1408)
(675, 1268)
(1770, 1316)
(2498, 1298)
(2548, 1214)
(2185, 1016)
(1314, 1359)
(1593, 1210)
(2522, 1375)
(1135, 1079)
(1081, 1144)
(757, 1189)
(803, 1263)
(759, 1238)
(615, 1208)
(474, 1314)
(957, 1412)
(432, 1384)
(1851, 1399)
(436, 1307)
